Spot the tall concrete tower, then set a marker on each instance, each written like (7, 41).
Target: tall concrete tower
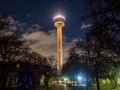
(59, 22)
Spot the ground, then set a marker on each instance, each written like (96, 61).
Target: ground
(63, 87)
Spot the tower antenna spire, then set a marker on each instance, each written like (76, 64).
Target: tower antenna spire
(59, 11)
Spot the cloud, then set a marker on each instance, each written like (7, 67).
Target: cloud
(45, 42)
(17, 26)
(23, 27)
(84, 26)
(41, 42)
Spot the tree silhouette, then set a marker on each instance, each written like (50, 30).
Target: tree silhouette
(105, 29)
(89, 57)
(13, 49)
(105, 22)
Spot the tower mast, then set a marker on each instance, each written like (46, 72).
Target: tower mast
(59, 22)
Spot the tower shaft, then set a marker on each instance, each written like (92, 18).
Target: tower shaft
(59, 47)
(59, 22)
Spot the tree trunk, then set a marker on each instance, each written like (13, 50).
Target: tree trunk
(97, 80)
(73, 82)
(113, 84)
(106, 81)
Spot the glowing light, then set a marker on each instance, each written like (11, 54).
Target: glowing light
(17, 65)
(66, 79)
(59, 23)
(58, 17)
(60, 81)
(59, 49)
(79, 78)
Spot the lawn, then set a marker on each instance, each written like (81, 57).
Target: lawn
(107, 87)
(103, 87)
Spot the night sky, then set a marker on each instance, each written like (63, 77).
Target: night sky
(41, 12)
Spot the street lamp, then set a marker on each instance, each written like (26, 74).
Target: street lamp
(79, 78)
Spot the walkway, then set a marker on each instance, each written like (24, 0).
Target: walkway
(60, 87)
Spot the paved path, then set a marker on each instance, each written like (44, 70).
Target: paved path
(60, 87)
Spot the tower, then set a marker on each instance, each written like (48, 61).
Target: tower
(59, 22)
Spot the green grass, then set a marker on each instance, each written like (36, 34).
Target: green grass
(106, 87)
(102, 87)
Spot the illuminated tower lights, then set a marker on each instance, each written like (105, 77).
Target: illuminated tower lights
(59, 22)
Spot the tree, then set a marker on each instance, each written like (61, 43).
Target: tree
(13, 49)
(5, 21)
(75, 65)
(104, 15)
(11, 45)
(90, 56)
(105, 29)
